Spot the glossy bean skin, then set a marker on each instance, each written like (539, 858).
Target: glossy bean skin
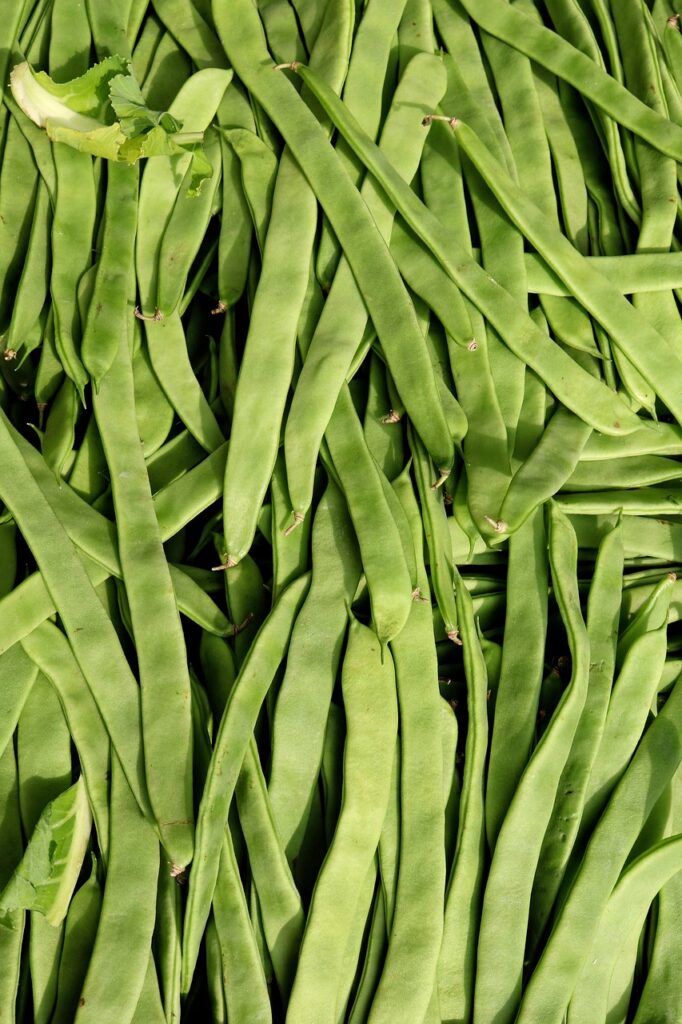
(351, 855)
(233, 736)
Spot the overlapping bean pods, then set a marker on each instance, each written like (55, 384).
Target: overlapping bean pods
(340, 511)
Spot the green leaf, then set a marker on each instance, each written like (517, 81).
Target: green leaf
(105, 141)
(132, 111)
(104, 113)
(47, 874)
(87, 95)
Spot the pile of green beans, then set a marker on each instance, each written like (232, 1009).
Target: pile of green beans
(341, 512)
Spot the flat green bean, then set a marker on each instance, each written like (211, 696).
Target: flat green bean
(372, 722)
(572, 385)
(233, 736)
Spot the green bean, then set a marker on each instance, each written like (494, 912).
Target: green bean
(128, 909)
(501, 243)
(237, 724)
(110, 27)
(60, 429)
(631, 471)
(149, 1009)
(18, 676)
(11, 851)
(378, 536)
(362, 94)
(355, 943)
(521, 671)
(406, 984)
(258, 171)
(463, 895)
(662, 987)
(168, 72)
(573, 23)
(468, 74)
(289, 549)
(33, 284)
(274, 321)
(170, 361)
(195, 105)
(389, 842)
(546, 470)
(665, 440)
(633, 693)
(371, 968)
(244, 982)
(370, 739)
(302, 708)
(44, 762)
(382, 435)
(653, 764)
(436, 289)
(649, 502)
(556, 55)
(11, 28)
(79, 936)
(561, 374)
(50, 653)
(508, 888)
(451, 781)
(568, 813)
(621, 922)
(344, 316)
(280, 903)
(438, 540)
(145, 47)
(93, 639)
(652, 615)
(349, 216)
(153, 411)
(653, 357)
(184, 21)
(19, 175)
(161, 652)
(174, 458)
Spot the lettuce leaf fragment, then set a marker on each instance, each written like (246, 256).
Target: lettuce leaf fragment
(46, 876)
(104, 113)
